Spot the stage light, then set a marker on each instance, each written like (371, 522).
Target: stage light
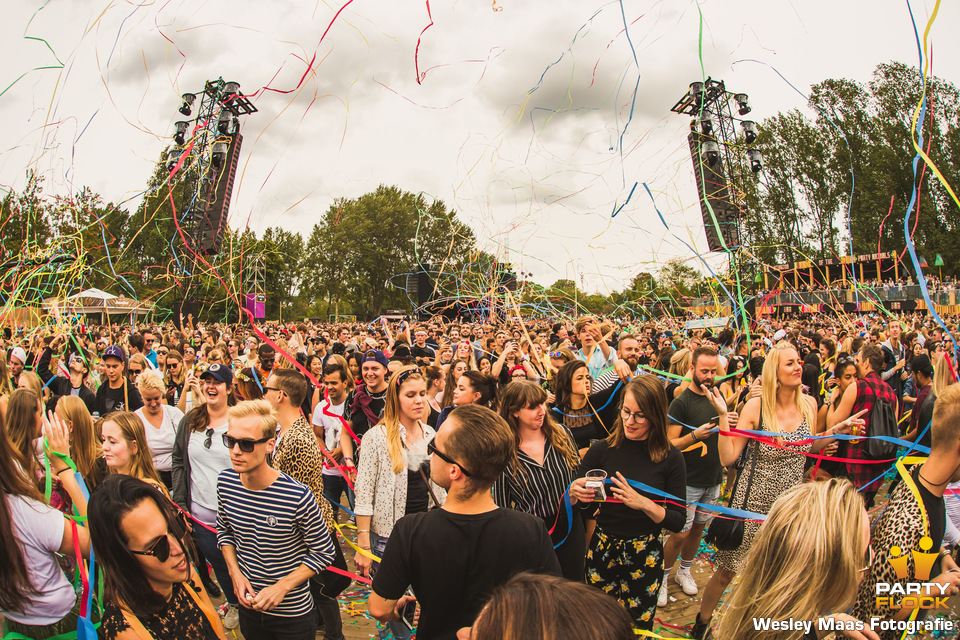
(696, 91)
(188, 99)
(219, 153)
(706, 126)
(743, 102)
(749, 130)
(225, 122)
(755, 158)
(173, 156)
(710, 151)
(231, 89)
(180, 135)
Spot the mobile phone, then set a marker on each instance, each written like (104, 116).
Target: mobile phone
(408, 612)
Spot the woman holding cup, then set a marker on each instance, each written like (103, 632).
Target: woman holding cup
(625, 555)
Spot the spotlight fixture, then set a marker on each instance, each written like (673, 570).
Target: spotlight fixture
(749, 130)
(710, 151)
(706, 125)
(696, 91)
(219, 153)
(188, 99)
(180, 135)
(743, 102)
(172, 157)
(225, 122)
(754, 156)
(231, 89)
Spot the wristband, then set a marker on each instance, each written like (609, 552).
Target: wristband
(57, 473)
(348, 459)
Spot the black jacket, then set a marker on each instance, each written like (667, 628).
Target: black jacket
(61, 386)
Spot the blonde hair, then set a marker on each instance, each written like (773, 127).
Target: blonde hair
(141, 462)
(768, 394)
(84, 444)
(151, 379)
(680, 362)
(258, 408)
(391, 414)
(34, 383)
(804, 561)
(942, 378)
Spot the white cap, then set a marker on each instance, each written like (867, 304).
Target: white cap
(19, 354)
(779, 335)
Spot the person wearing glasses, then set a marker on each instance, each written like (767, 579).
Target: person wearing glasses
(542, 468)
(625, 552)
(151, 589)
(271, 531)
(390, 482)
(455, 556)
(806, 562)
(162, 352)
(199, 456)
(136, 366)
(149, 339)
(74, 383)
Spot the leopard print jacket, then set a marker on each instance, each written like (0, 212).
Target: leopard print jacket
(298, 455)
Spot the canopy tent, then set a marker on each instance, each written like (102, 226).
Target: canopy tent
(95, 301)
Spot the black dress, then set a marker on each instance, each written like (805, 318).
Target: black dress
(181, 619)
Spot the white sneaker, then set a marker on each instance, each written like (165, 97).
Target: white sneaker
(686, 582)
(231, 619)
(664, 598)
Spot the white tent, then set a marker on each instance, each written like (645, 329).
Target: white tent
(92, 301)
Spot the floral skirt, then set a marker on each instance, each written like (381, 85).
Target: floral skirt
(629, 570)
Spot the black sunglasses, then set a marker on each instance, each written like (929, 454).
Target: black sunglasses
(209, 440)
(159, 549)
(134, 372)
(246, 444)
(431, 448)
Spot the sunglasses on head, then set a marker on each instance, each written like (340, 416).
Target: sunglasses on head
(159, 549)
(246, 444)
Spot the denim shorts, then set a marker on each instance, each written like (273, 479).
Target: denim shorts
(703, 495)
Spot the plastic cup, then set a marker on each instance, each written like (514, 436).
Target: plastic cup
(595, 479)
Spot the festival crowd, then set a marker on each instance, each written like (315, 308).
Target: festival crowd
(514, 479)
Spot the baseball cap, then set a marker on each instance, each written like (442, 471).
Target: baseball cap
(922, 364)
(219, 372)
(113, 351)
(19, 354)
(779, 335)
(375, 355)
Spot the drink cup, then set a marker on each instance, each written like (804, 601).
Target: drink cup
(595, 479)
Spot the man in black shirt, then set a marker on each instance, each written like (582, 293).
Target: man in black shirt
(116, 393)
(455, 556)
(67, 386)
(421, 353)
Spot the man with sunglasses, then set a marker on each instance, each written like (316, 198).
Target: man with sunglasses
(270, 530)
(74, 385)
(455, 556)
(297, 454)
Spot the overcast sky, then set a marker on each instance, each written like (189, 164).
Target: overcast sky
(524, 120)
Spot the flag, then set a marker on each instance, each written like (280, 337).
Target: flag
(938, 262)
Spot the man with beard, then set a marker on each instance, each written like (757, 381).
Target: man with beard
(453, 557)
(63, 385)
(365, 404)
(625, 368)
(689, 423)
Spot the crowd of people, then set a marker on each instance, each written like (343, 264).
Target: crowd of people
(517, 479)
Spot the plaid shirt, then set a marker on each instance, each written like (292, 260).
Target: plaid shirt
(869, 389)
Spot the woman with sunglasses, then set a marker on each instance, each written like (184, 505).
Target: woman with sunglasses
(136, 366)
(159, 422)
(174, 379)
(625, 552)
(199, 456)
(806, 562)
(542, 468)
(151, 589)
(390, 482)
(844, 374)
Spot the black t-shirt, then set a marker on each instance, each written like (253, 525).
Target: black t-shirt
(417, 500)
(925, 415)
(454, 561)
(110, 400)
(692, 409)
(936, 511)
(632, 460)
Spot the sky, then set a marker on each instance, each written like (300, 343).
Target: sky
(535, 121)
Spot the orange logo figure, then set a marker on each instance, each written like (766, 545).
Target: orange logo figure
(923, 560)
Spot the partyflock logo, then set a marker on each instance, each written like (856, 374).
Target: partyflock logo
(916, 593)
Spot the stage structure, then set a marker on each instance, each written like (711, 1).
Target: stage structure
(207, 150)
(255, 300)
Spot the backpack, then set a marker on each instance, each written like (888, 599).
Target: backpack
(883, 422)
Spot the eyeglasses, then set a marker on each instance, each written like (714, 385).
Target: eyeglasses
(868, 557)
(431, 448)
(134, 372)
(266, 388)
(162, 353)
(209, 440)
(556, 354)
(159, 549)
(150, 341)
(633, 417)
(246, 444)
(173, 364)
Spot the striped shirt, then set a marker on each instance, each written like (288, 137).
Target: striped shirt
(274, 531)
(535, 488)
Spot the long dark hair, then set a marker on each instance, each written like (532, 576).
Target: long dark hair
(451, 382)
(526, 394)
(124, 579)
(563, 383)
(16, 590)
(485, 385)
(648, 393)
(21, 427)
(198, 418)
